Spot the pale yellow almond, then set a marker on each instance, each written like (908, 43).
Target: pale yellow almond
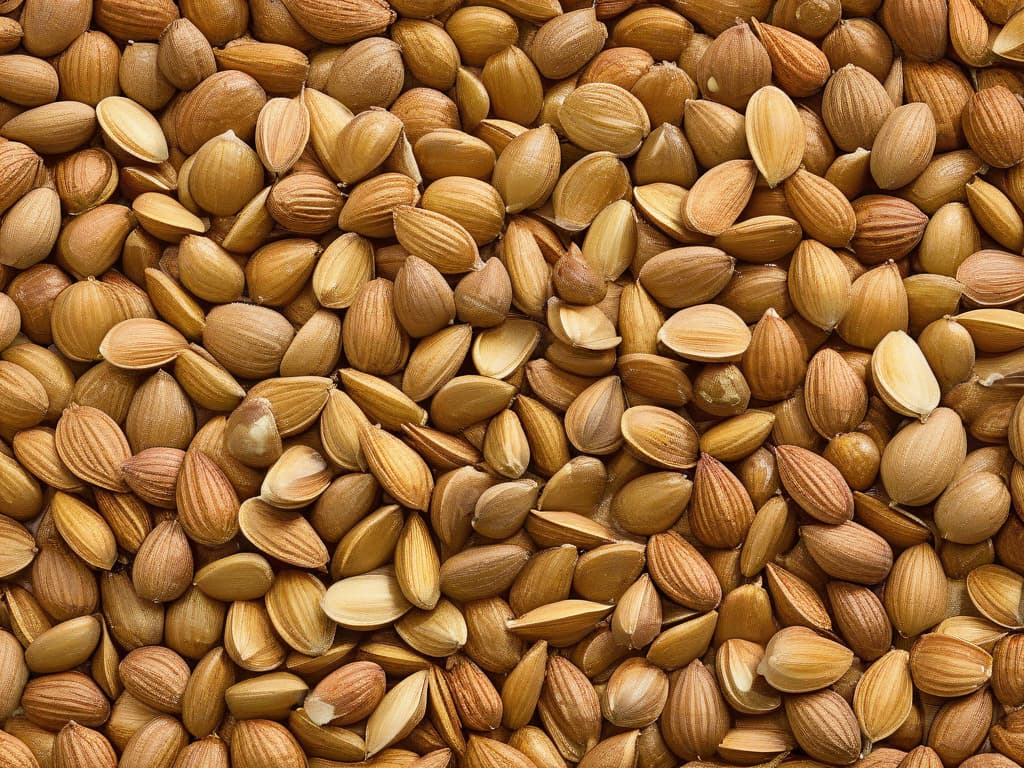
(132, 128)
(296, 479)
(922, 458)
(659, 437)
(904, 146)
(736, 664)
(282, 131)
(706, 333)
(947, 666)
(588, 186)
(604, 116)
(293, 605)
(243, 576)
(884, 695)
(798, 660)
(368, 601)
(271, 695)
(398, 713)
(584, 327)
(903, 377)
(141, 343)
(996, 592)
(280, 533)
(775, 134)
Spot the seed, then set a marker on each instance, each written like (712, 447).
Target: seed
(824, 726)
(600, 116)
(17, 670)
(155, 676)
(884, 695)
(706, 333)
(282, 534)
(698, 712)
(815, 484)
(774, 134)
(346, 695)
(916, 609)
(19, 547)
(398, 713)
(77, 745)
(996, 593)
(367, 601)
(46, 704)
(659, 437)
(281, 133)
(849, 552)
(798, 660)
(906, 478)
(264, 743)
(132, 129)
(797, 600)
(948, 666)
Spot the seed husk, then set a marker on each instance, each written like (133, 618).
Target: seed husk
(914, 610)
(706, 333)
(947, 666)
(281, 533)
(905, 477)
(398, 713)
(132, 128)
(798, 660)
(774, 134)
(884, 695)
(909, 386)
(367, 601)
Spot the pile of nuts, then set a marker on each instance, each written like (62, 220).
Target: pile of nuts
(511, 383)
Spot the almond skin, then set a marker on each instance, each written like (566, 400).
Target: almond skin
(815, 485)
(347, 695)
